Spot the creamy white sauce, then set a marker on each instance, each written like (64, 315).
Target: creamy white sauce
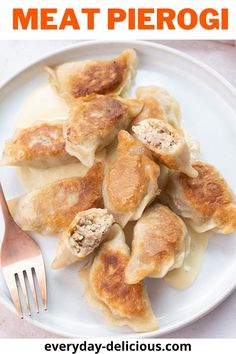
(45, 105)
(33, 178)
(184, 277)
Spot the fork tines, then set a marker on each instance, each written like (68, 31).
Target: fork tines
(27, 288)
(22, 265)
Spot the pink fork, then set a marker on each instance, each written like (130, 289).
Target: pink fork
(22, 264)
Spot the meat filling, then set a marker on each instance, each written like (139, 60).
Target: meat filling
(157, 135)
(88, 232)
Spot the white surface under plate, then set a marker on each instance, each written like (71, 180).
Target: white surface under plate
(208, 105)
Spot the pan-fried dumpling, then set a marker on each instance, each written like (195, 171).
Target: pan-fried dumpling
(105, 288)
(205, 201)
(86, 232)
(84, 78)
(95, 122)
(130, 184)
(158, 103)
(166, 144)
(159, 245)
(40, 146)
(50, 209)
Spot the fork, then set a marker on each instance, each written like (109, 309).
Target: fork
(22, 264)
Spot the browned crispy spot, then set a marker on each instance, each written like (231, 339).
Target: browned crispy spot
(208, 192)
(70, 196)
(43, 140)
(100, 77)
(110, 286)
(162, 233)
(126, 182)
(95, 115)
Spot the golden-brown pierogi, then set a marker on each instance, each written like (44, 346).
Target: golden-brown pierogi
(166, 144)
(40, 146)
(205, 201)
(160, 243)
(105, 288)
(50, 209)
(130, 184)
(84, 78)
(94, 123)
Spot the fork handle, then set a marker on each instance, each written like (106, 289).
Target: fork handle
(5, 210)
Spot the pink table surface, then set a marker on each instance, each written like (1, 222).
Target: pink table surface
(220, 323)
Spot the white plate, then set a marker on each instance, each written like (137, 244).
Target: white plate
(208, 104)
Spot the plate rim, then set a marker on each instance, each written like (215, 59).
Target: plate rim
(227, 291)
